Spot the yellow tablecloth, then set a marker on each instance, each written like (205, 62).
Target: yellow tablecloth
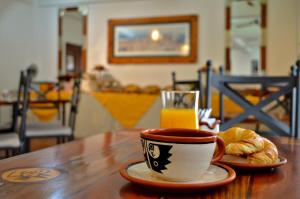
(230, 108)
(44, 111)
(126, 108)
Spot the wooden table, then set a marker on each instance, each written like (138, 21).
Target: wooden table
(48, 101)
(90, 167)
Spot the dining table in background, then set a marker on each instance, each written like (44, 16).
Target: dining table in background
(100, 110)
(13, 103)
(89, 168)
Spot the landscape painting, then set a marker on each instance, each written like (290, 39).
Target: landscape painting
(153, 40)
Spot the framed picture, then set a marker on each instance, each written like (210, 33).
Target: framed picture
(153, 40)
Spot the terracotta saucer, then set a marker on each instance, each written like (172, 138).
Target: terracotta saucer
(242, 163)
(217, 175)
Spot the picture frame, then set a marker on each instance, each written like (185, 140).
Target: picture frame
(169, 39)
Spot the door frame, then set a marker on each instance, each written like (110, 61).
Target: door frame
(263, 43)
(84, 34)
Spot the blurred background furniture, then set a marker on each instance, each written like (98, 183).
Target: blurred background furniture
(57, 129)
(189, 85)
(193, 84)
(12, 139)
(45, 90)
(285, 85)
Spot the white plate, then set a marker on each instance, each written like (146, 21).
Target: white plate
(243, 163)
(217, 175)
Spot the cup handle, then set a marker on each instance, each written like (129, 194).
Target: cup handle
(221, 150)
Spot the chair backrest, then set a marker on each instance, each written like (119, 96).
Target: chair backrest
(193, 84)
(286, 85)
(40, 91)
(298, 63)
(21, 107)
(74, 104)
(17, 106)
(42, 88)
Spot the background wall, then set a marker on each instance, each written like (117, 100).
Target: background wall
(282, 36)
(210, 41)
(298, 25)
(281, 39)
(17, 32)
(28, 34)
(46, 22)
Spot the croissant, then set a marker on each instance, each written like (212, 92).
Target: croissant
(241, 142)
(268, 155)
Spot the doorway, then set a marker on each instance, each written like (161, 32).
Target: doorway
(73, 41)
(73, 58)
(245, 33)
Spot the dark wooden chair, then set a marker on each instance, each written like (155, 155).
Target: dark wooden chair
(49, 86)
(286, 85)
(41, 89)
(57, 130)
(12, 141)
(192, 84)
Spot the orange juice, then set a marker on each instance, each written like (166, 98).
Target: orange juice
(179, 118)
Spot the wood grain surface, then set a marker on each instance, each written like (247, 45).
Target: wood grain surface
(90, 169)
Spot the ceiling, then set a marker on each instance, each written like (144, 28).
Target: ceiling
(76, 2)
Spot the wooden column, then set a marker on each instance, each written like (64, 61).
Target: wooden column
(84, 46)
(263, 47)
(60, 33)
(227, 35)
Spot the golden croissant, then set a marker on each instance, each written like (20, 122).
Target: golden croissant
(268, 155)
(241, 142)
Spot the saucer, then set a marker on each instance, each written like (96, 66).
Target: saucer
(243, 163)
(216, 175)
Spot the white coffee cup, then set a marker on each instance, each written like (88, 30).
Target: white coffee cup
(180, 154)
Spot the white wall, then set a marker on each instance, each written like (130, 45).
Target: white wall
(281, 39)
(29, 34)
(282, 36)
(298, 25)
(210, 41)
(46, 22)
(17, 49)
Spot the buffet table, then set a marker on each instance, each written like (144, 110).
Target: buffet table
(108, 111)
(105, 111)
(88, 168)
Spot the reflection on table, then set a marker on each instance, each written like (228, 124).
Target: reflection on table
(92, 165)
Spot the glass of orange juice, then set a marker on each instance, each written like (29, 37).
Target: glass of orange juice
(179, 109)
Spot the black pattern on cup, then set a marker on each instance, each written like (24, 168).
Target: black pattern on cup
(158, 156)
